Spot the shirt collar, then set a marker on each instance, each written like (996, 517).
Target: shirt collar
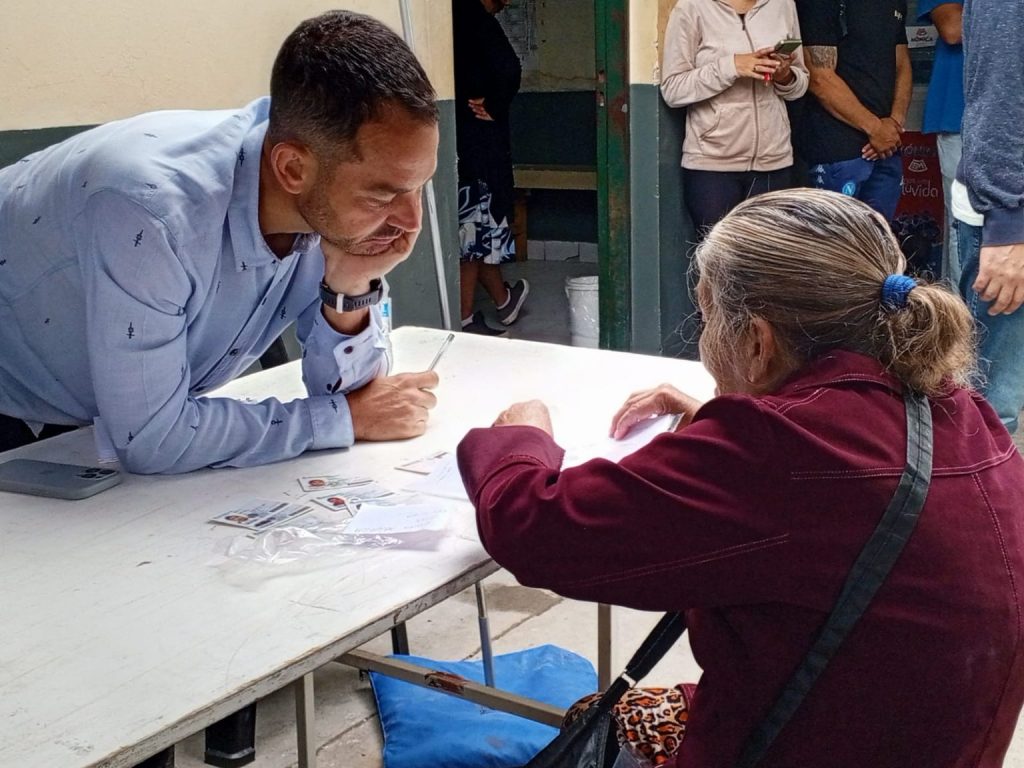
(250, 249)
(840, 366)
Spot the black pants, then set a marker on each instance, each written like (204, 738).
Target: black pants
(712, 194)
(15, 433)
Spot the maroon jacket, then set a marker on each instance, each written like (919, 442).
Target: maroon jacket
(749, 519)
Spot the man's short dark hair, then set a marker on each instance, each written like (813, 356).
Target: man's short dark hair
(337, 71)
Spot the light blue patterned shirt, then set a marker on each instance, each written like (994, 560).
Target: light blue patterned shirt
(134, 277)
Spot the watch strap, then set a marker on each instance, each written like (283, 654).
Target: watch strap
(341, 302)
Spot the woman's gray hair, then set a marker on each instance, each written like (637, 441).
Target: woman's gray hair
(812, 263)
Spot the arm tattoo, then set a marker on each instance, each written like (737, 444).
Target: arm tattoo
(823, 56)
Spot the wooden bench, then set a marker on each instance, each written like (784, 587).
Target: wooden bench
(529, 176)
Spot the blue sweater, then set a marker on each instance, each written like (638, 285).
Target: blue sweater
(992, 167)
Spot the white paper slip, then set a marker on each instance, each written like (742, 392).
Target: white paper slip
(377, 520)
(424, 466)
(616, 450)
(444, 481)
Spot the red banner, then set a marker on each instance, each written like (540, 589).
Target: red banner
(920, 215)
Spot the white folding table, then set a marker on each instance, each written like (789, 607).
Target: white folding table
(127, 629)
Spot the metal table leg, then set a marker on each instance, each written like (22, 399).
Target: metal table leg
(485, 636)
(604, 646)
(305, 716)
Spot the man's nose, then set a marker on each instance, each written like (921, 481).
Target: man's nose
(407, 212)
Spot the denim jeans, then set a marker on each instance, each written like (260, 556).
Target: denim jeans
(875, 182)
(1000, 338)
(950, 148)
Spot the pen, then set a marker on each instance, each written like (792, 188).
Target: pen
(444, 345)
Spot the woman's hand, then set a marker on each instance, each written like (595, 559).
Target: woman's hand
(641, 406)
(784, 73)
(532, 413)
(756, 64)
(479, 110)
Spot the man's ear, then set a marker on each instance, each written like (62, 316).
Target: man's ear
(765, 359)
(294, 166)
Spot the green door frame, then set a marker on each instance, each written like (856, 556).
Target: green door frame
(611, 28)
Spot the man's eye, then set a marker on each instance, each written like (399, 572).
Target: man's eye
(377, 202)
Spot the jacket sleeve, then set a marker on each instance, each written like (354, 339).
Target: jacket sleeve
(667, 528)
(992, 166)
(682, 82)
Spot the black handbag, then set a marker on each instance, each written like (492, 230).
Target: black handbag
(590, 742)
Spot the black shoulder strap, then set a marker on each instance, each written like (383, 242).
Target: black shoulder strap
(664, 635)
(867, 575)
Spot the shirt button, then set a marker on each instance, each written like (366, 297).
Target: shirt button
(233, 352)
(348, 350)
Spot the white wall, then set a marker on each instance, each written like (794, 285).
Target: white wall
(77, 62)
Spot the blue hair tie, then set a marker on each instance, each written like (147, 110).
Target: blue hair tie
(895, 290)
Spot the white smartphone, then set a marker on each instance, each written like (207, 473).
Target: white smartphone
(58, 481)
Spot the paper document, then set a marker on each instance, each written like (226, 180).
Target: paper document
(444, 481)
(616, 450)
(377, 520)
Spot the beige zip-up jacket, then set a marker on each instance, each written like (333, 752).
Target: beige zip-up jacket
(733, 123)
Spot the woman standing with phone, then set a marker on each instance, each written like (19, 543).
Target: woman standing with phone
(733, 63)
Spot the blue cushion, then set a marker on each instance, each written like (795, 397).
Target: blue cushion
(423, 727)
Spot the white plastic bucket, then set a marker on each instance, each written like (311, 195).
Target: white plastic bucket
(583, 314)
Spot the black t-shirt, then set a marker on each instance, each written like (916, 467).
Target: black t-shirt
(866, 40)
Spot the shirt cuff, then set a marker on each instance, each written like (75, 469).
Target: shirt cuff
(1003, 226)
(331, 422)
(352, 352)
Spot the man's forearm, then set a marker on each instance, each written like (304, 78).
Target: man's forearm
(904, 85)
(840, 102)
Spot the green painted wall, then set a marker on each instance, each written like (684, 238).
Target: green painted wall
(14, 145)
(663, 311)
(414, 283)
(557, 128)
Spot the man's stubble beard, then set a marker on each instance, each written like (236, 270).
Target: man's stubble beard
(317, 211)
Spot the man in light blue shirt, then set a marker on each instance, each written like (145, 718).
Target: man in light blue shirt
(149, 260)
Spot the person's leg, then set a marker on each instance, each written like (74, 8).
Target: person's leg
(469, 273)
(883, 186)
(1000, 338)
(499, 247)
(950, 148)
(474, 247)
(492, 281)
(754, 183)
(780, 179)
(709, 195)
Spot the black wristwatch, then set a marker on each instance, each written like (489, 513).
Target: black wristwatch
(341, 302)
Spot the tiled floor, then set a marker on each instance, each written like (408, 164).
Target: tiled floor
(545, 316)
(348, 733)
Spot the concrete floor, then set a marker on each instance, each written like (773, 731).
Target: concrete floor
(347, 730)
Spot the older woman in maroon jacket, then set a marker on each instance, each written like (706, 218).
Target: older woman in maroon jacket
(750, 516)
